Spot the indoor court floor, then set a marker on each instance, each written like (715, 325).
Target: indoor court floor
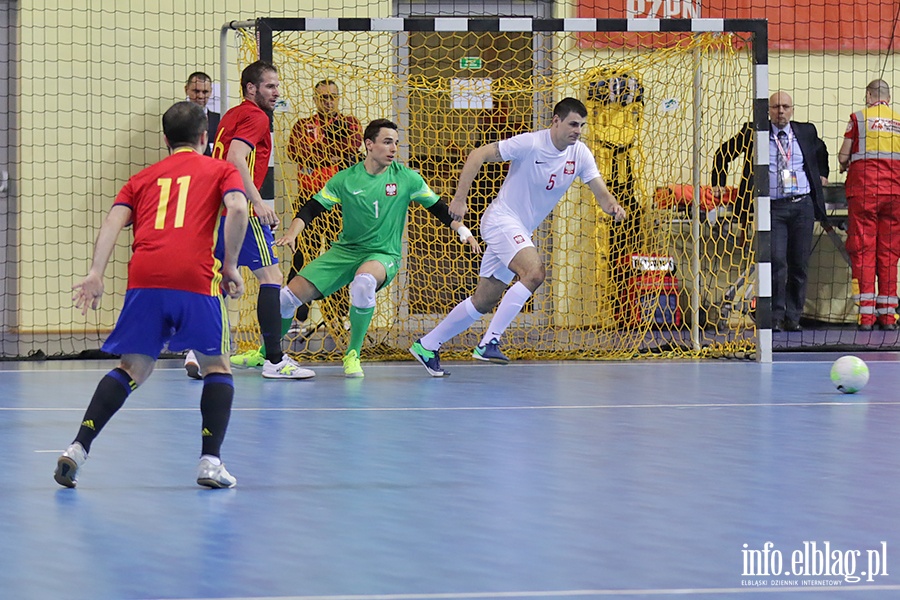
(639, 479)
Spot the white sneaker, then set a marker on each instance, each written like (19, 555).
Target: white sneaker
(68, 464)
(192, 366)
(214, 476)
(286, 369)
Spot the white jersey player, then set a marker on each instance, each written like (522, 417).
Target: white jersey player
(543, 166)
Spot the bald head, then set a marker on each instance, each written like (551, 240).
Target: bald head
(781, 109)
(878, 91)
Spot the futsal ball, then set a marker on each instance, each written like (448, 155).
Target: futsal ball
(849, 374)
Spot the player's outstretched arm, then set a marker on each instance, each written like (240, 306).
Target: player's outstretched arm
(289, 238)
(441, 212)
(90, 289)
(470, 170)
(466, 236)
(305, 215)
(606, 200)
(235, 228)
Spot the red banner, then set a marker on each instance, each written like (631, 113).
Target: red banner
(851, 25)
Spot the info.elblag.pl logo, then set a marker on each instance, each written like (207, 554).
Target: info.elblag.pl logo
(812, 564)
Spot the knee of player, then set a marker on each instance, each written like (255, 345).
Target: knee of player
(210, 364)
(270, 275)
(303, 289)
(484, 302)
(138, 367)
(534, 277)
(484, 306)
(362, 290)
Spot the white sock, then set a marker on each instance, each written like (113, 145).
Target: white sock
(213, 459)
(460, 318)
(511, 305)
(289, 302)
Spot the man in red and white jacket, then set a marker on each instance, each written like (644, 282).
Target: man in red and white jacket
(871, 156)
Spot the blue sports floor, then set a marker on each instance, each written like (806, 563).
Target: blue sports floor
(641, 479)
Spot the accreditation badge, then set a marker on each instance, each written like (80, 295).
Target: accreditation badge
(789, 181)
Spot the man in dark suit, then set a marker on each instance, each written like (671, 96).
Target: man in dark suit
(798, 168)
(199, 89)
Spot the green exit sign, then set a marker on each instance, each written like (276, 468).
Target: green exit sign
(470, 62)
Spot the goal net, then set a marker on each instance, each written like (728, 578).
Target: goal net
(676, 279)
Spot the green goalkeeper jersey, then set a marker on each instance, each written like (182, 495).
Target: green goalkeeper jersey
(374, 207)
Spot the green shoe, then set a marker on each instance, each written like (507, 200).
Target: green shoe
(352, 367)
(250, 358)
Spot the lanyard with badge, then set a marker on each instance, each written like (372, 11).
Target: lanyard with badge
(787, 177)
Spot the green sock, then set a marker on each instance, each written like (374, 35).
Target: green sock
(286, 325)
(360, 318)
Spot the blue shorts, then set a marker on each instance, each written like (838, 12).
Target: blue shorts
(186, 320)
(258, 250)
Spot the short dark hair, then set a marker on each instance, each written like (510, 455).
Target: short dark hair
(377, 125)
(254, 73)
(326, 82)
(183, 124)
(569, 105)
(199, 76)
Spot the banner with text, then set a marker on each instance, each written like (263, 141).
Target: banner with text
(852, 25)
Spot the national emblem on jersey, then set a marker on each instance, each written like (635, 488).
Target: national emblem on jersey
(519, 239)
(390, 189)
(570, 167)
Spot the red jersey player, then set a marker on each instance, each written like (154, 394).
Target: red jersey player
(244, 140)
(174, 207)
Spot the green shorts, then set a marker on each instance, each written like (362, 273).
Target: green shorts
(337, 267)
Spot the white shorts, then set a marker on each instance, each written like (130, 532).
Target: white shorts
(505, 236)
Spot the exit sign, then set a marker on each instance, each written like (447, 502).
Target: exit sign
(470, 62)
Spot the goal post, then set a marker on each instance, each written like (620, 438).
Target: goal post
(681, 277)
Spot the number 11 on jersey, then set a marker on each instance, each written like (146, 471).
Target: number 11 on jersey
(165, 191)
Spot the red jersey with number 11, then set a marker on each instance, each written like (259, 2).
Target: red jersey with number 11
(176, 204)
